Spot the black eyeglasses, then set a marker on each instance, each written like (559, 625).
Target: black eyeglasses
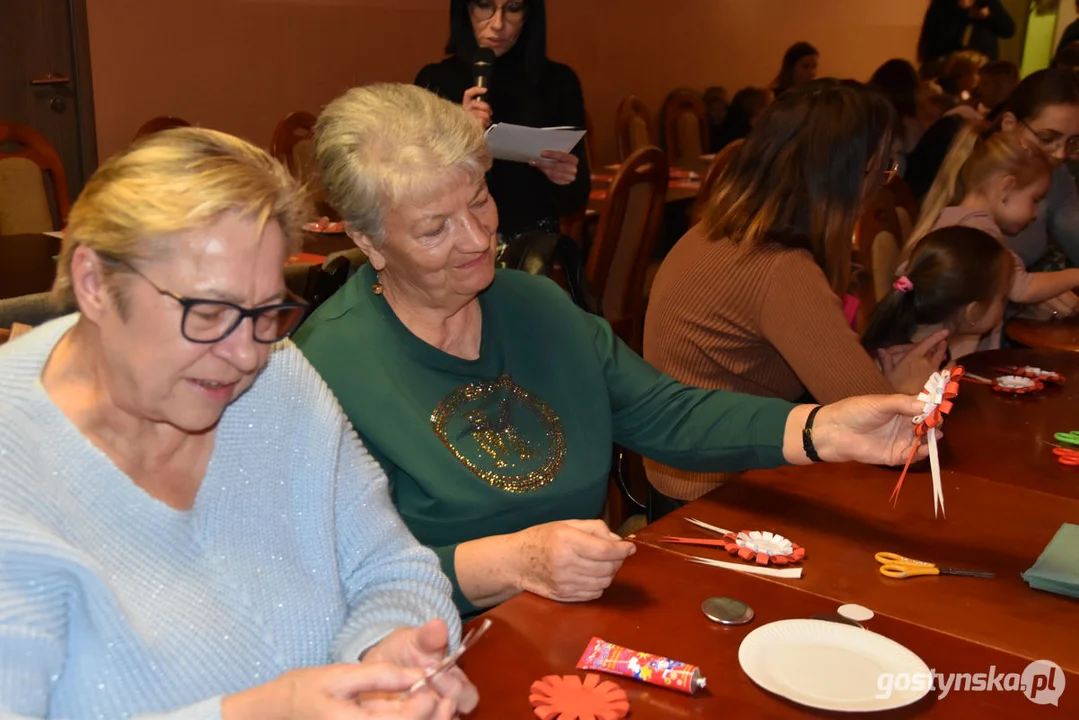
(484, 10)
(1051, 140)
(211, 321)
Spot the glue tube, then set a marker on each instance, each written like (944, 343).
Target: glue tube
(653, 669)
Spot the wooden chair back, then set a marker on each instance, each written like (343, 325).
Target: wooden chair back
(157, 124)
(719, 163)
(625, 238)
(906, 207)
(24, 199)
(293, 144)
(685, 126)
(632, 127)
(877, 251)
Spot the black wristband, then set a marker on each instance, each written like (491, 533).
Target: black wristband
(807, 436)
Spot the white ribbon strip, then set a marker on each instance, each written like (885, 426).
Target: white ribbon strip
(933, 396)
(751, 569)
(706, 526)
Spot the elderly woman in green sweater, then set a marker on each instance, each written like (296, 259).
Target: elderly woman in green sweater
(489, 398)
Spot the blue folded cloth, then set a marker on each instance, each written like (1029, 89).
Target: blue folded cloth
(1057, 568)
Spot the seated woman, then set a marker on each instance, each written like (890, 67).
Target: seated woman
(490, 399)
(749, 299)
(525, 88)
(798, 68)
(744, 113)
(187, 520)
(898, 81)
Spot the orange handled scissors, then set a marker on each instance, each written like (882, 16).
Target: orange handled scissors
(899, 567)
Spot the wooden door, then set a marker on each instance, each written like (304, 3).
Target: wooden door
(45, 78)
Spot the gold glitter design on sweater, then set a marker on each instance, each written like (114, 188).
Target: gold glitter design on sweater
(500, 439)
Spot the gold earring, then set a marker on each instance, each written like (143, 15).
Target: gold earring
(377, 287)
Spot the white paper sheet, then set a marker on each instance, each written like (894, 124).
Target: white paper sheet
(519, 143)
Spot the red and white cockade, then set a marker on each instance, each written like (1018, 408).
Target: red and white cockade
(938, 394)
(1017, 384)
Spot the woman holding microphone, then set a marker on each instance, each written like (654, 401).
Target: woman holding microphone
(520, 86)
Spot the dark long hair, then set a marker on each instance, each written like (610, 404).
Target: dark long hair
(1037, 91)
(899, 82)
(785, 80)
(532, 42)
(949, 269)
(798, 180)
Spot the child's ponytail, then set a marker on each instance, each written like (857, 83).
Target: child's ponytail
(949, 269)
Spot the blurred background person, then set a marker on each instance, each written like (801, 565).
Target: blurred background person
(953, 25)
(745, 110)
(799, 67)
(525, 88)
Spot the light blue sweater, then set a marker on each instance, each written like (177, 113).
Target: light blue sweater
(113, 604)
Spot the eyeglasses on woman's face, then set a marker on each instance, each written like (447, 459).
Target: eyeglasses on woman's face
(513, 11)
(1051, 141)
(209, 321)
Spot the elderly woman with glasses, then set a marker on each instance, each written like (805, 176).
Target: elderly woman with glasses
(189, 526)
(525, 89)
(489, 398)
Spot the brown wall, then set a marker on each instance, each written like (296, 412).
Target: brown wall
(240, 65)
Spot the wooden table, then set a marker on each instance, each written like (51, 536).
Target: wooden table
(842, 516)
(678, 189)
(654, 606)
(1049, 335)
(1005, 438)
(1005, 498)
(26, 264)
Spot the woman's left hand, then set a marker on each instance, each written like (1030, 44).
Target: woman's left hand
(871, 429)
(559, 167)
(424, 647)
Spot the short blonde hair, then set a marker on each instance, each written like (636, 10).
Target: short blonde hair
(378, 144)
(170, 182)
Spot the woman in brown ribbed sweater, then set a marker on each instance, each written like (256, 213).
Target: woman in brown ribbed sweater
(749, 299)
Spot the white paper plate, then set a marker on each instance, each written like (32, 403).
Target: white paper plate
(832, 666)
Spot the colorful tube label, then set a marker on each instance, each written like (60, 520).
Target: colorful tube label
(652, 669)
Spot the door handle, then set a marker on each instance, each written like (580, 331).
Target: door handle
(51, 79)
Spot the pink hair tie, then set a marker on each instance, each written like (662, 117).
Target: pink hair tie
(903, 284)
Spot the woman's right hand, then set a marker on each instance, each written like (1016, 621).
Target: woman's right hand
(474, 103)
(1062, 306)
(909, 373)
(569, 560)
(340, 692)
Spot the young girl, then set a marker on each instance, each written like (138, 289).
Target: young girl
(994, 184)
(957, 280)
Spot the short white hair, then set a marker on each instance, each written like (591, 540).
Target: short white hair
(378, 144)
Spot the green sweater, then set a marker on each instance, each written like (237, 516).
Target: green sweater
(521, 436)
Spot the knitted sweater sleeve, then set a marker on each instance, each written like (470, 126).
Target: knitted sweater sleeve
(390, 579)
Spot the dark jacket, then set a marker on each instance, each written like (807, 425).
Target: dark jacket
(526, 199)
(1071, 34)
(945, 24)
(928, 155)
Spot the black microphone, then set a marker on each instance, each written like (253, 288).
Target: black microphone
(483, 67)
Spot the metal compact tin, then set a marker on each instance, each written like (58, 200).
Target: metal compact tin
(727, 611)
